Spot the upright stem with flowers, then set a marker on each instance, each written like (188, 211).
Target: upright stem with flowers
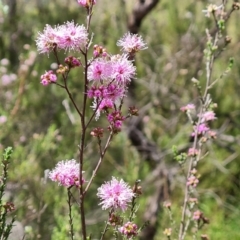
(106, 80)
(200, 116)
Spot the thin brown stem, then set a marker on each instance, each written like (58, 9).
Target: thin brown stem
(70, 213)
(102, 154)
(81, 151)
(186, 191)
(83, 137)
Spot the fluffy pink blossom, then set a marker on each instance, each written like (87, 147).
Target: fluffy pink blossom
(123, 70)
(72, 36)
(129, 229)
(47, 40)
(99, 70)
(68, 36)
(115, 194)
(131, 43)
(66, 173)
(48, 77)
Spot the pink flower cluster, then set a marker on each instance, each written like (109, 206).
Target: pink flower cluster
(201, 129)
(48, 77)
(69, 36)
(117, 68)
(72, 62)
(193, 179)
(110, 77)
(115, 194)
(115, 119)
(66, 173)
(129, 229)
(193, 152)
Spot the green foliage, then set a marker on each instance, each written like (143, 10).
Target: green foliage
(5, 207)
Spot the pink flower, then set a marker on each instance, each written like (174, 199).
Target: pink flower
(129, 229)
(71, 36)
(68, 36)
(86, 3)
(192, 152)
(200, 129)
(208, 116)
(99, 70)
(123, 70)
(192, 181)
(66, 173)
(188, 107)
(115, 194)
(48, 77)
(131, 43)
(3, 119)
(197, 215)
(46, 41)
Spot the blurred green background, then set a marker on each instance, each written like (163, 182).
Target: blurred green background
(34, 119)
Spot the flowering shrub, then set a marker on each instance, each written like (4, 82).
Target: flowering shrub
(106, 81)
